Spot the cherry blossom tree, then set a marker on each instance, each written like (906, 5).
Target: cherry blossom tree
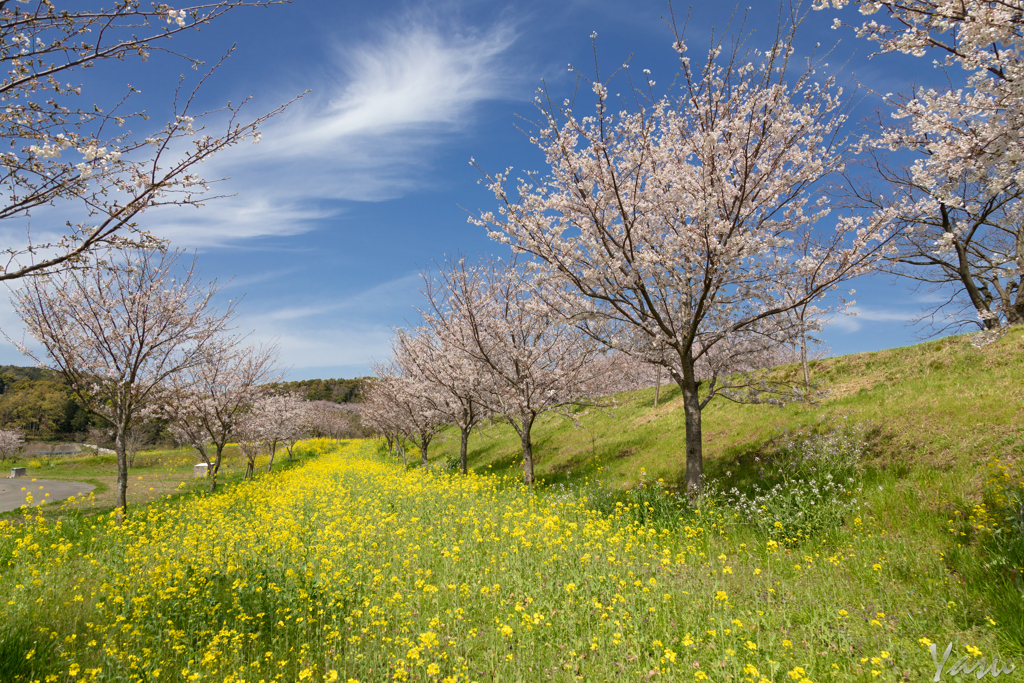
(206, 404)
(134, 441)
(301, 424)
(118, 330)
(281, 418)
(414, 402)
(329, 420)
(11, 442)
(613, 372)
(958, 205)
(666, 230)
(83, 157)
(532, 361)
(431, 354)
(806, 317)
(251, 435)
(379, 414)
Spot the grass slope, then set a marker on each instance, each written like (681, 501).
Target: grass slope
(936, 410)
(938, 416)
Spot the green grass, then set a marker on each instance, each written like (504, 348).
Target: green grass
(156, 474)
(935, 415)
(936, 409)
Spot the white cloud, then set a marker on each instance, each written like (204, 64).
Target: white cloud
(230, 220)
(334, 347)
(852, 323)
(399, 294)
(365, 134)
(257, 278)
(883, 315)
(413, 78)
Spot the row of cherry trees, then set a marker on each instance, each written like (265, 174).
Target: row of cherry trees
(488, 347)
(688, 231)
(683, 232)
(135, 335)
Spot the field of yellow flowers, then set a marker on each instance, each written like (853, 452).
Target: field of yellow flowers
(350, 568)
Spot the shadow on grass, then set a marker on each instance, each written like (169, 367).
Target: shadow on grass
(23, 655)
(756, 463)
(997, 584)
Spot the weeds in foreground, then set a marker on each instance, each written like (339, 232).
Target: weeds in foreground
(807, 487)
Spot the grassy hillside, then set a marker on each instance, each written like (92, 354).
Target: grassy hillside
(937, 408)
(940, 431)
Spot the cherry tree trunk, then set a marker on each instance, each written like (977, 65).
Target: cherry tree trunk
(270, 463)
(694, 444)
(463, 449)
(122, 471)
(524, 437)
(423, 450)
(803, 360)
(1015, 311)
(216, 468)
(657, 387)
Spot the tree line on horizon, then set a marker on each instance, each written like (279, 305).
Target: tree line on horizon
(335, 390)
(37, 403)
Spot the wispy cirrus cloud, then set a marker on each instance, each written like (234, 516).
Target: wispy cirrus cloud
(336, 331)
(413, 78)
(399, 294)
(366, 132)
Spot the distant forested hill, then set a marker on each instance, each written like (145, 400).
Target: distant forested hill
(335, 390)
(38, 402)
(9, 374)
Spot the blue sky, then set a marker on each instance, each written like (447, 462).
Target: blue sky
(366, 179)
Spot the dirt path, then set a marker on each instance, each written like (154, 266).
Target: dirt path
(13, 491)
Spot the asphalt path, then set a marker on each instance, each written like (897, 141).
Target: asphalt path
(12, 496)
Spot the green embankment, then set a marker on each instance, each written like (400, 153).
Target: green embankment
(935, 411)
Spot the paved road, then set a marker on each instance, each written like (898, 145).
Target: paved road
(12, 497)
